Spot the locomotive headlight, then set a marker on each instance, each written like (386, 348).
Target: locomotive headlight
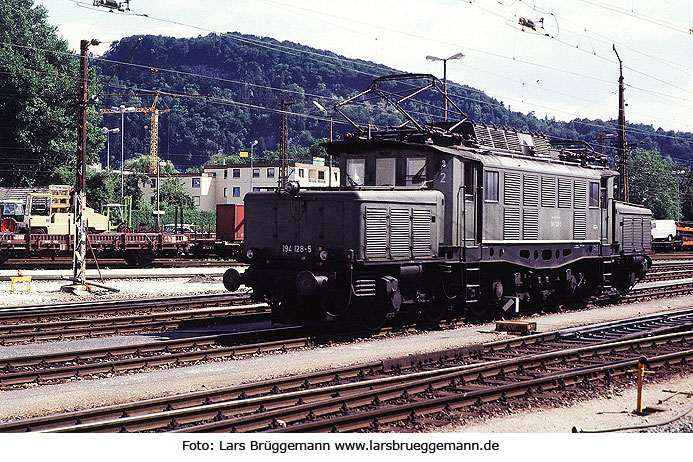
(323, 255)
(249, 254)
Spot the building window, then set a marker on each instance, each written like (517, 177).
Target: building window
(195, 182)
(270, 172)
(224, 192)
(256, 173)
(321, 175)
(236, 172)
(236, 191)
(255, 189)
(491, 189)
(301, 173)
(226, 173)
(196, 201)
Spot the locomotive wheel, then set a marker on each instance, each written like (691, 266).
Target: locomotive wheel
(434, 311)
(374, 315)
(478, 311)
(336, 300)
(582, 291)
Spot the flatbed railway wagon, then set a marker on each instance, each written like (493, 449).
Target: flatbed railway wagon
(447, 218)
(137, 249)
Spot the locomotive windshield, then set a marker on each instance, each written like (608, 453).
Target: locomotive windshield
(416, 171)
(385, 171)
(356, 172)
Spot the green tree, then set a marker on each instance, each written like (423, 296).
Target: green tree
(141, 164)
(651, 183)
(101, 188)
(172, 192)
(38, 84)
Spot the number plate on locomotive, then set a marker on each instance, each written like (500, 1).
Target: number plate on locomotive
(297, 249)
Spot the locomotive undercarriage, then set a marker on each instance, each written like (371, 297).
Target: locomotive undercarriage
(368, 294)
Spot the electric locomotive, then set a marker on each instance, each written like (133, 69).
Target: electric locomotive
(442, 219)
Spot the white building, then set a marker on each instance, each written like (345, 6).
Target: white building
(228, 184)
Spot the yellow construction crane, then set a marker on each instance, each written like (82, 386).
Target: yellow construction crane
(154, 141)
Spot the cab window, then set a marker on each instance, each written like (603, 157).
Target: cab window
(416, 170)
(491, 186)
(385, 171)
(356, 172)
(468, 181)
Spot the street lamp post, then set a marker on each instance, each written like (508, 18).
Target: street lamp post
(252, 145)
(107, 132)
(445, 90)
(122, 109)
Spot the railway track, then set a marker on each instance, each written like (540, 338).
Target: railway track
(683, 255)
(367, 396)
(669, 271)
(66, 263)
(80, 320)
(48, 368)
(668, 290)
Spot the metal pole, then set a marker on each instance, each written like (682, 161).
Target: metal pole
(108, 152)
(678, 200)
(122, 153)
(622, 148)
(445, 89)
(252, 145)
(158, 206)
(80, 194)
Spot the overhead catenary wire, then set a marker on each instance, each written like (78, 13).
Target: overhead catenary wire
(331, 57)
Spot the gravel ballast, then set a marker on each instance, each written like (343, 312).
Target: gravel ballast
(611, 410)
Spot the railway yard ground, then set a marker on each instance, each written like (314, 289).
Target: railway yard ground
(607, 408)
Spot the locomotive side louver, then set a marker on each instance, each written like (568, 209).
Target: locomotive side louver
(511, 224)
(530, 224)
(530, 191)
(580, 196)
(548, 191)
(400, 226)
(511, 188)
(565, 193)
(580, 224)
(637, 234)
(628, 244)
(421, 233)
(376, 233)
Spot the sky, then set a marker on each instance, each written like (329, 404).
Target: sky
(566, 69)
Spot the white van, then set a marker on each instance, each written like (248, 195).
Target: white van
(663, 230)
